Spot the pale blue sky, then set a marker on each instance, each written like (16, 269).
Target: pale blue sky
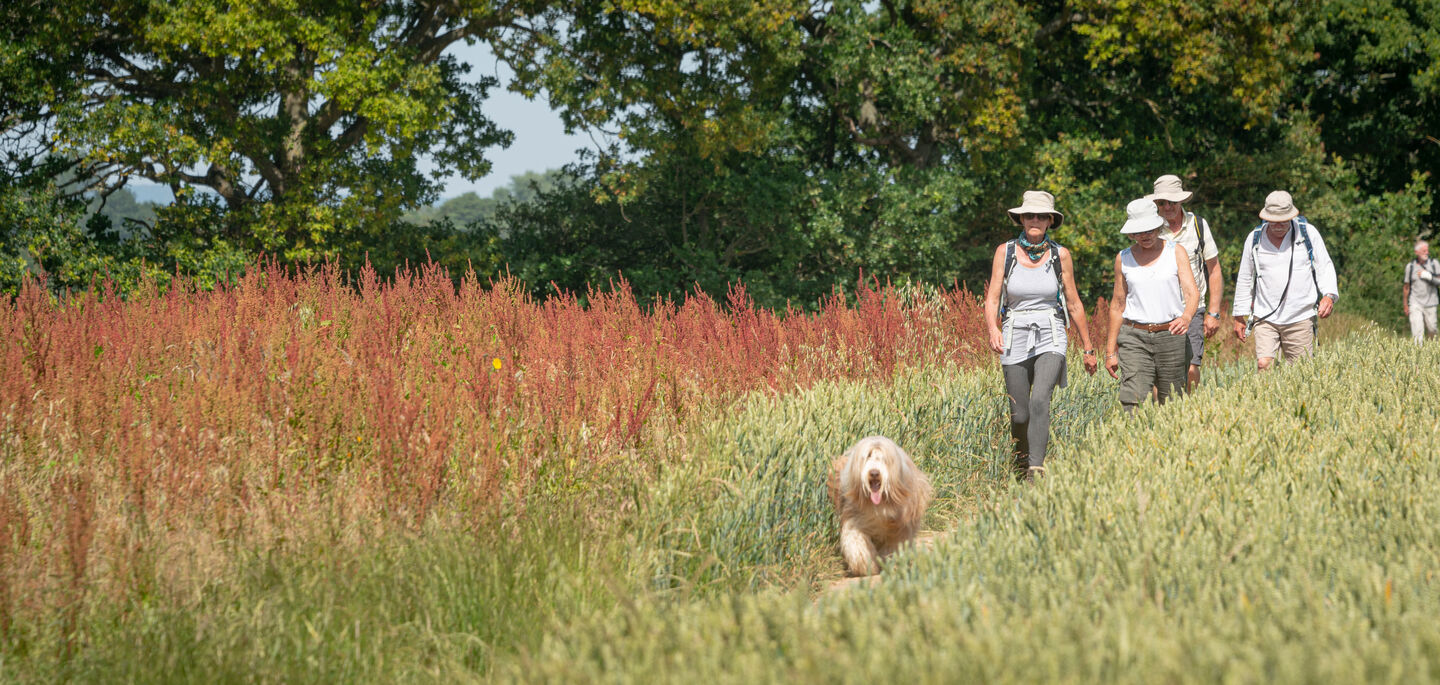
(540, 139)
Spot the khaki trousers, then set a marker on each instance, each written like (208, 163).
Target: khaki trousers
(1148, 360)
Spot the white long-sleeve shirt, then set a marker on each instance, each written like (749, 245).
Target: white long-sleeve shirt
(1270, 263)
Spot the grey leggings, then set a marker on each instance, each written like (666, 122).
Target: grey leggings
(1029, 385)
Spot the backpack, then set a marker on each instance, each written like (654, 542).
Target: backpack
(1063, 313)
(1303, 228)
(1411, 268)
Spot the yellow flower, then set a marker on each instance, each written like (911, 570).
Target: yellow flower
(495, 363)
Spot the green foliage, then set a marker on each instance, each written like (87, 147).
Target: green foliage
(466, 210)
(306, 119)
(1373, 238)
(127, 216)
(890, 137)
(783, 144)
(44, 233)
(1376, 83)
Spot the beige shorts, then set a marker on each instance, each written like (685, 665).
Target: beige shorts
(1295, 340)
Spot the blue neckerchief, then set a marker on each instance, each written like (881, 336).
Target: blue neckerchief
(1035, 250)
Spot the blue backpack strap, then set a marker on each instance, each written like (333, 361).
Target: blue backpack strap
(1303, 227)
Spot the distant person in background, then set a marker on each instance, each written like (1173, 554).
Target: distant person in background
(1154, 301)
(1286, 273)
(1029, 302)
(1192, 232)
(1422, 276)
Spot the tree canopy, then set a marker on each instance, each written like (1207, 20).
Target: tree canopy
(787, 144)
(301, 120)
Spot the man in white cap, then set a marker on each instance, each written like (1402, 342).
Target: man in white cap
(1192, 232)
(1422, 276)
(1285, 280)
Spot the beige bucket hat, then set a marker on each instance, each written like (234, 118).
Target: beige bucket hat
(1142, 216)
(1279, 207)
(1168, 187)
(1037, 202)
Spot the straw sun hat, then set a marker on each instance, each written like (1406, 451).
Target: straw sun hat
(1279, 207)
(1142, 216)
(1168, 187)
(1037, 202)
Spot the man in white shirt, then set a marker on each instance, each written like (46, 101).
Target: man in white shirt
(1191, 232)
(1421, 279)
(1285, 279)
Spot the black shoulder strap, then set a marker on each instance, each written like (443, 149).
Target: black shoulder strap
(1005, 276)
(1255, 265)
(1055, 258)
(1303, 227)
(1200, 236)
(1059, 281)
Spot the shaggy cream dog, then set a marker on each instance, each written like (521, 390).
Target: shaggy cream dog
(880, 497)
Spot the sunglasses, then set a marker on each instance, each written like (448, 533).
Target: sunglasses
(1033, 216)
(1165, 203)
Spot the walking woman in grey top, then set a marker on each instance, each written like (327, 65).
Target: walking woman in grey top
(1030, 300)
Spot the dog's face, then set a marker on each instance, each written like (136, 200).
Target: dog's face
(875, 468)
(875, 473)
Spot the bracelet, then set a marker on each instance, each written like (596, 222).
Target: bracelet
(1111, 355)
(1087, 351)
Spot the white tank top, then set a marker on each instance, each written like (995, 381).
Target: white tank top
(1152, 292)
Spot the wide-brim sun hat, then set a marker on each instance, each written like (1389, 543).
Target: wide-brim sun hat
(1037, 202)
(1168, 187)
(1142, 216)
(1279, 207)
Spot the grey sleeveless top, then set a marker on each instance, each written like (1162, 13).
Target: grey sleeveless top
(1033, 325)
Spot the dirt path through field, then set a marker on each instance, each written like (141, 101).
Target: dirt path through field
(925, 540)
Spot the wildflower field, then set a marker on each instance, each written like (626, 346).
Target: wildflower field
(303, 479)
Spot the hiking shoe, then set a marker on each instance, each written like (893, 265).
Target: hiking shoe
(1035, 473)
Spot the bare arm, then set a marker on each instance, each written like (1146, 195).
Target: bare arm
(1188, 290)
(992, 301)
(1117, 314)
(1214, 281)
(1072, 299)
(1215, 284)
(1076, 307)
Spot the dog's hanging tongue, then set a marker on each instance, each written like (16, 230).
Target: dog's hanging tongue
(875, 497)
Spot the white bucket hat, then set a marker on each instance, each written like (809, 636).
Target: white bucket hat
(1143, 216)
(1037, 202)
(1279, 207)
(1168, 187)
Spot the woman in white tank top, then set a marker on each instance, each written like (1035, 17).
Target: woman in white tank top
(1155, 298)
